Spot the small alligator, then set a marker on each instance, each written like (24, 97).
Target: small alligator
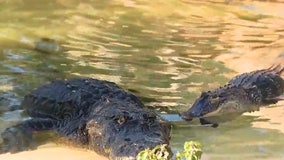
(94, 113)
(244, 93)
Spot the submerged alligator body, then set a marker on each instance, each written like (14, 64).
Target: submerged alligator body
(244, 93)
(95, 113)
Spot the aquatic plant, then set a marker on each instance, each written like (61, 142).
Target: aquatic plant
(192, 151)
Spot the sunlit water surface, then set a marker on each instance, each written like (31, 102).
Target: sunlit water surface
(163, 51)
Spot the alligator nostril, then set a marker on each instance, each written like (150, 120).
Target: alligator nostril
(141, 148)
(186, 116)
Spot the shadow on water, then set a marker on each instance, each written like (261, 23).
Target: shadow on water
(163, 51)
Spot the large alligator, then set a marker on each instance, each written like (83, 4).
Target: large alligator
(244, 93)
(95, 113)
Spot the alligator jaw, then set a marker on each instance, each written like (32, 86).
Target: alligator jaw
(224, 112)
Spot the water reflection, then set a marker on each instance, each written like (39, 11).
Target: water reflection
(164, 51)
(151, 54)
(235, 141)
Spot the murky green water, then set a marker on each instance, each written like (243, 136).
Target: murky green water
(164, 51)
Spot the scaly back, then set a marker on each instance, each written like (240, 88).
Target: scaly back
(266, 82)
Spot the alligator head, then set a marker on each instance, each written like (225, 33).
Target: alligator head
(219, 105)
(244, 93)
(205, 104)
(122, 130)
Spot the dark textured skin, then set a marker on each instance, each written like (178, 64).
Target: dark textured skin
(244, 93)
(97, 114)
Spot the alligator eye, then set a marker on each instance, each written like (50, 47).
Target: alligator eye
(213, 96)
(120, 119)
(214, 99)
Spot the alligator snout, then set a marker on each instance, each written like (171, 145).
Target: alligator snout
(200, 107)
(128, 150)
(186, 116)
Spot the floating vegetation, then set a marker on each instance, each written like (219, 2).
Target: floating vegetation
(192, 151)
